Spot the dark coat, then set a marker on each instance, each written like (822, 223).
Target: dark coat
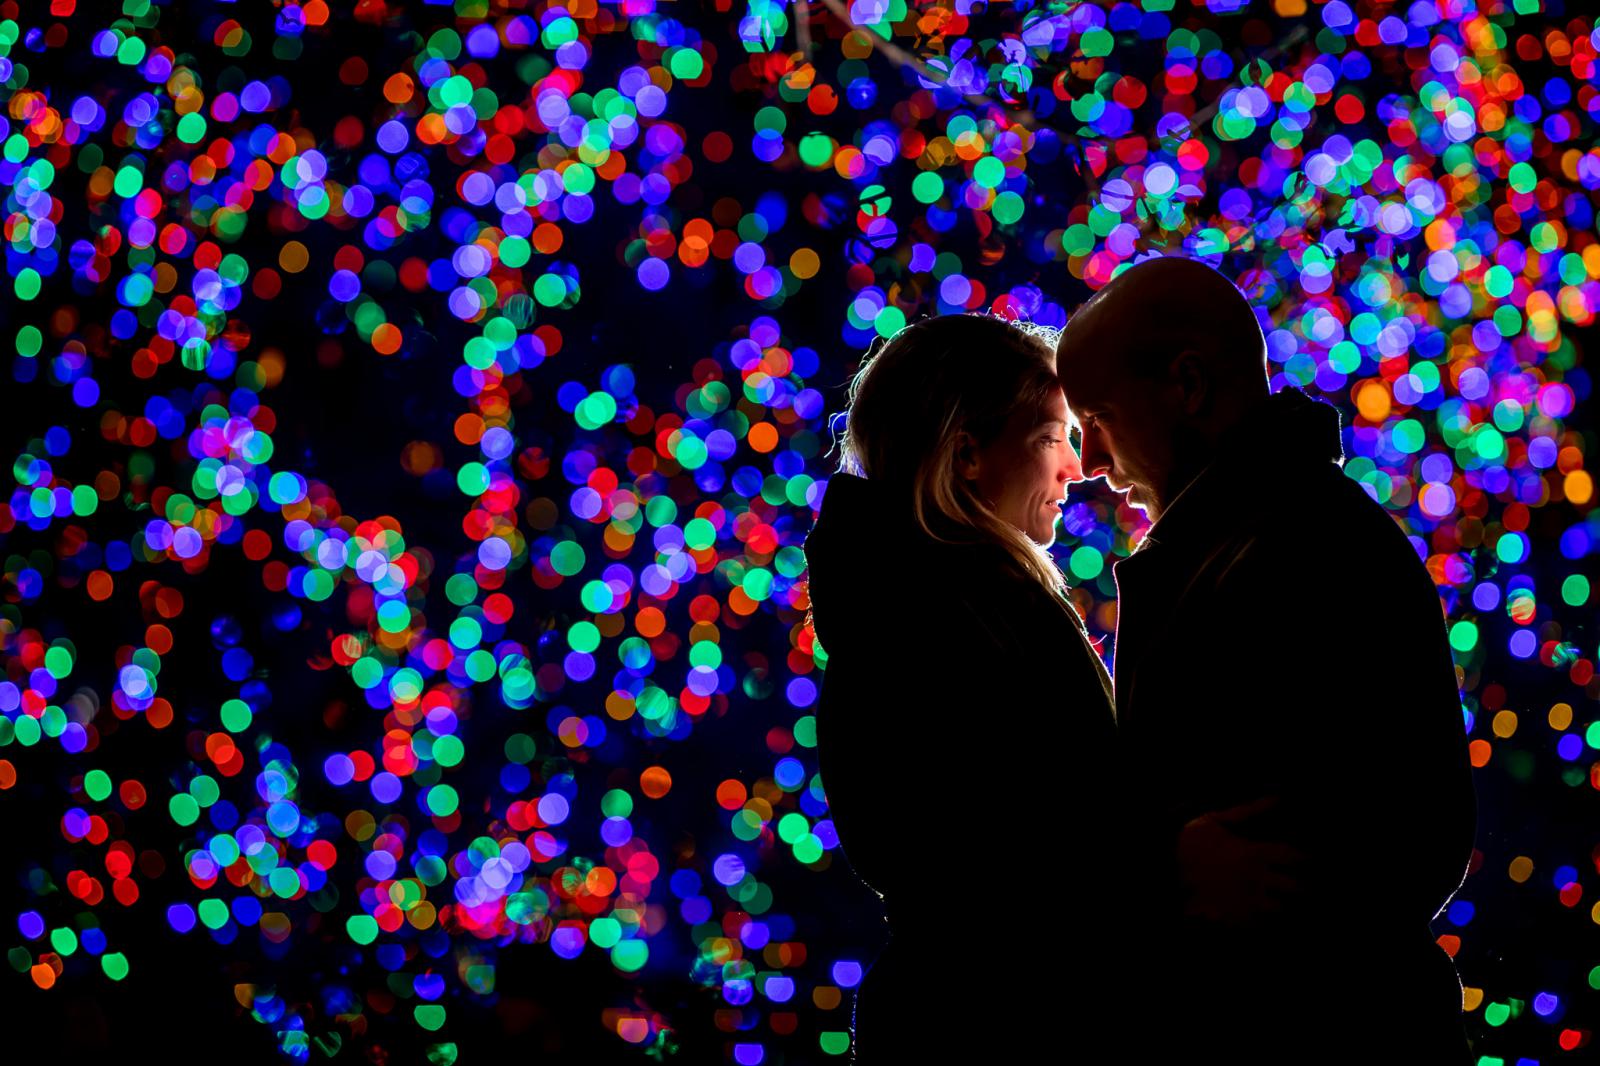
(1278, 635)
(965, 736)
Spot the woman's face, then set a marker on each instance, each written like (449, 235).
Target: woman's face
(1024, 473)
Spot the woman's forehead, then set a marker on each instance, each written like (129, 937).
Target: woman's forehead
(1047, 410)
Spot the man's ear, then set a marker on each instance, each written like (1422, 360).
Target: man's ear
(1193, 379)
(966, 456)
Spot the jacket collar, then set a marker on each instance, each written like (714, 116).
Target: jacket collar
(1285, 436)
(862, 533)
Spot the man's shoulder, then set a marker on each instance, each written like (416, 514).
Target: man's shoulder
(1323, 503)
(1326, 526)
(1359, 524)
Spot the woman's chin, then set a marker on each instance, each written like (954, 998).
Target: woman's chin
(1042, 531)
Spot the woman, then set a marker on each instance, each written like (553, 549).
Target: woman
(965, 726)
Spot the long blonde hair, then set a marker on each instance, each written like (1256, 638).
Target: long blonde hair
(917, 391)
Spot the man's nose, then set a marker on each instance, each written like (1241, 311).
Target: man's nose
(1096, 460)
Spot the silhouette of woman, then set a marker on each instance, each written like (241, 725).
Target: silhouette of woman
(965, 726)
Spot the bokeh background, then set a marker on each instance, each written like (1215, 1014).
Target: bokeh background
(413, 415)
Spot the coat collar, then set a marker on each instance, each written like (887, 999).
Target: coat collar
(1285, 436)
(861, 532)
(1284, 439)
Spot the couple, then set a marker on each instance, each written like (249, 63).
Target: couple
(1233, 852)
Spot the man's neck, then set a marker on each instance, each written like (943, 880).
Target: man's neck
(1202, 448)
(1179, 483)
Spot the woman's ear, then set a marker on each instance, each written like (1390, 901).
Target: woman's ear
(966, 456)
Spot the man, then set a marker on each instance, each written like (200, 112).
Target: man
(1295, 750)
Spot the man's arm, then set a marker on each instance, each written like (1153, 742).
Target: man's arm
(1377, 787)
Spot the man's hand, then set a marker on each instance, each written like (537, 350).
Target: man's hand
(1229, 878)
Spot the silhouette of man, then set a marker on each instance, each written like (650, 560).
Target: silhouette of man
(1295, 752)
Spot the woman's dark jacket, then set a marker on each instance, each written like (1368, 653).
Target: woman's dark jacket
(965, 737)
(1277, 635)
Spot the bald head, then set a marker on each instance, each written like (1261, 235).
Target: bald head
(1160, 307)
(1156, 368)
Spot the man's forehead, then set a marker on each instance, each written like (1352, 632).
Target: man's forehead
(1095, 398)
(1083, 346)
(1083, 377)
